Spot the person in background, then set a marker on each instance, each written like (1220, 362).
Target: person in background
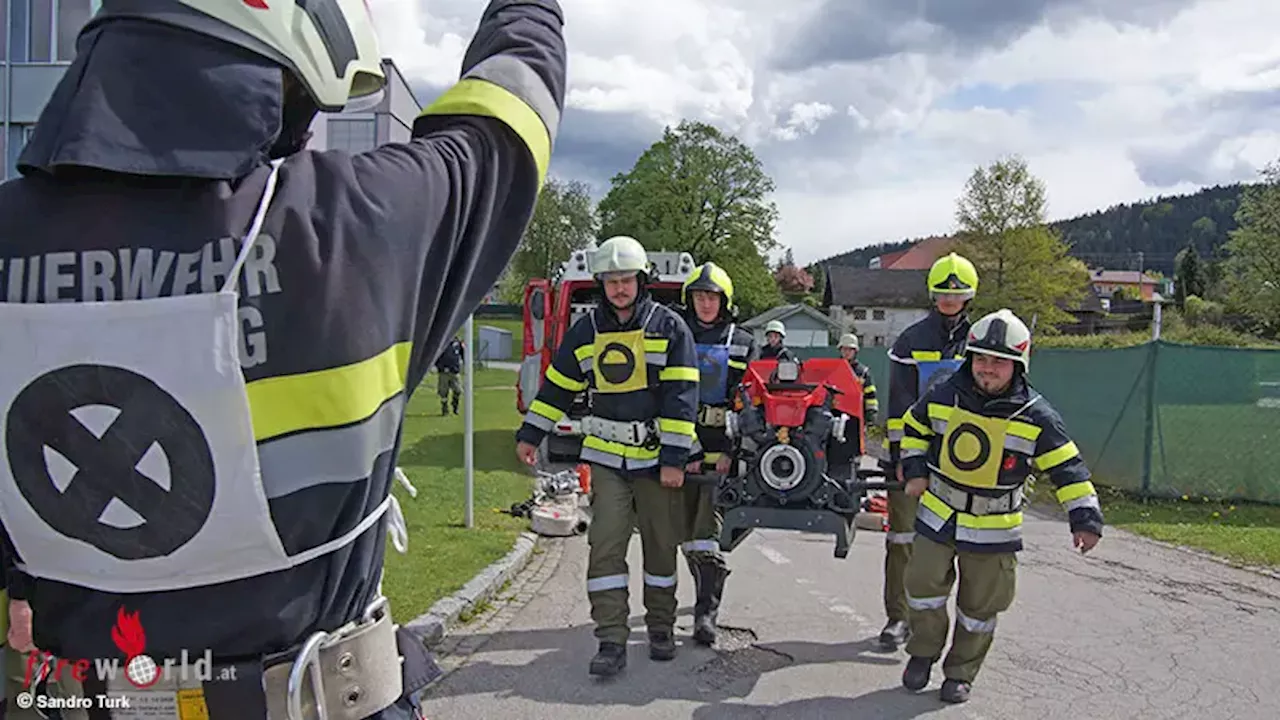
(774, 335)
(448, 367)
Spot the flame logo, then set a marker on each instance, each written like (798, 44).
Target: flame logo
(128, 634)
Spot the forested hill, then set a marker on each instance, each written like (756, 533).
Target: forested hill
(1112, 238)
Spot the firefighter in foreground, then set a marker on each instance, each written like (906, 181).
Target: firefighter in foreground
(842, 456)
(251, 317)
(970, 445)
(925, 352)
(637, 357)
(723, 351)
(775, 335)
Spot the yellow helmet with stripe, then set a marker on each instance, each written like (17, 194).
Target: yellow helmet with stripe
(953, 275)
(712, 278)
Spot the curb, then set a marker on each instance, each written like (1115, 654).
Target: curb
(432, 626)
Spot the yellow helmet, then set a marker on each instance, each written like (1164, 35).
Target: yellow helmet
(712, 278)
(953, 275)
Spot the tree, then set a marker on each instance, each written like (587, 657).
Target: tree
(1190, 278)
(563, 221)
(1022, 263)
(793, 282)
(1253, 261)
(704, 192)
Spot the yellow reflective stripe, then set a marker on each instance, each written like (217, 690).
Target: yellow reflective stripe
(895, 424)
(582, 352)
(678, 373)
(915, 425)
(926, 355)
(934, 503)
(616, 448)
(327, 398)
(712, 457)
(939, 412)
(1056, 457)
(1027, 431)
(473, 96)
(565, 381)
(656, 345)
(679, 427)
(737, 365)
(914, 443)
(990, 522)
(546, 410)
(1075, 491)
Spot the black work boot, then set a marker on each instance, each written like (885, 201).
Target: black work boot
(710, 588)
(662, 644)
(610, 659)
(955, 691)
(916, 675)
(895, 633)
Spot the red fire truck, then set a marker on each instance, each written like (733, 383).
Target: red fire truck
(551, 306)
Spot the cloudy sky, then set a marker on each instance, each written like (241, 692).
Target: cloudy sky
(870, 114)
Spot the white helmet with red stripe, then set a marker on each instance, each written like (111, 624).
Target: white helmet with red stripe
(1002, 334)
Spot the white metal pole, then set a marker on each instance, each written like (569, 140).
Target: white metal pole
(469, 450)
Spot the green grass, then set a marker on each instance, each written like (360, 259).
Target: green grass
(1246, 533)
(513, 325)
(443, 554)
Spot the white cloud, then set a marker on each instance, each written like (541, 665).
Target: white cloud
(878, 150)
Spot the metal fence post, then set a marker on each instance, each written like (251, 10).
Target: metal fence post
(1149, 418)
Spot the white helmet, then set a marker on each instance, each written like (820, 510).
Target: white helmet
(329, 45)
(849, 340)
(775, 326)
(620, 254)
(1002, 334)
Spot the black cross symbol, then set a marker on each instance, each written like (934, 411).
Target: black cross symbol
(106, 467)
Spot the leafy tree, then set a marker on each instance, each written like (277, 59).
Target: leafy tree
(563, 221)
(1190, 278)
(1254, 252)
(793, 282)
(1022, 264)
(701, 191)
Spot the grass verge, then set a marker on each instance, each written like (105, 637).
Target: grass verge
(443, 554)
(1246, 533)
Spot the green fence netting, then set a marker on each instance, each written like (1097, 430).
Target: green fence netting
(1160, 419)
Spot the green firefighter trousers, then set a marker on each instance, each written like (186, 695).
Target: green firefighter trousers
(701, 523)
(897, 553)
(987, 586)
(617, 502)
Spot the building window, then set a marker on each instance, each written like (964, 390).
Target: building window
(72, 16)
(877, 314)
(354, 136)
(859, 314)
(879, 341)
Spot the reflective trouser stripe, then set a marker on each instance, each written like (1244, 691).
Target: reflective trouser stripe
(926, 603)
(900, 538)
(700, 546)
(973, 625)
(660, 581)
(607, 582)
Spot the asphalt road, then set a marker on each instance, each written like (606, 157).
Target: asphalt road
(1134, 630)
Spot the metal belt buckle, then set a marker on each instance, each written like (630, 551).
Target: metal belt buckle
(308, 663)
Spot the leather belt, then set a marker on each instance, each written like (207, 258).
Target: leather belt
(712, 416)
(973, 504)
(627, 432)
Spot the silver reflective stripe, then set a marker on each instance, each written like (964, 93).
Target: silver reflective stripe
(912, 452)
(322, 457)
(675, 439)
(600, 457)
(1080, 502)
(900, 538)
(659, 359)
(974, 625)
(542, 422)
(896, 435)
(738, 350)
(586, 364)
(904, 361)
(607, 582)
(928, 603)
(1019, 445)
(987, 536)
(661, 581)
(641, 463)
(939, 425)
(700, 546)
(520, 80)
